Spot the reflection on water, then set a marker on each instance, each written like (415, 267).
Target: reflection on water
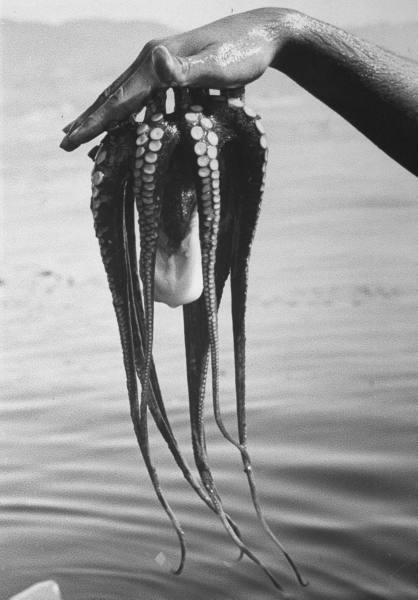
(332, 384)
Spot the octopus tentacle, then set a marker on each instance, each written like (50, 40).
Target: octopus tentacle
(253, 147)
(200, 318)
(155, 401)
(139, 415)
(193, 324)
(205, 141)
(111, 202)
(147, 199)
(209, 244)
(156, 142)
(142, 179)
(108, 184)
(254, 152)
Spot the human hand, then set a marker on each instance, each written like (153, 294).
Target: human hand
(224, 54)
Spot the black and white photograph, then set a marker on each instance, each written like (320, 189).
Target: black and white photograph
(209, 287)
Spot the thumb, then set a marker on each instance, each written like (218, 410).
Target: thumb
(197, 70)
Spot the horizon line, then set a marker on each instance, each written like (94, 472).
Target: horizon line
(66, 21)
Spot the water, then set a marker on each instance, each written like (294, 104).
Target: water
(332, 384)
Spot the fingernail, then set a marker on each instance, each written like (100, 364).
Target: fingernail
(70, 127)
(67, 144)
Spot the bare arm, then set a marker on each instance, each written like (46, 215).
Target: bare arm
(373, 89)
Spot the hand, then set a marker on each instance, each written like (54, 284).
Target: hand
(225, 54)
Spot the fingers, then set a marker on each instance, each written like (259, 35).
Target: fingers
(117, 106)
(127, 94)
(103, 113)
(217, 66)
(100, 100)
(121, 98)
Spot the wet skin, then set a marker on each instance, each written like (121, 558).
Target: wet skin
(373, 89)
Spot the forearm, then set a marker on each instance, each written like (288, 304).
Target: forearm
(376, 91)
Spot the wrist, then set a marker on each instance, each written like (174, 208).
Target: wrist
(292, 29)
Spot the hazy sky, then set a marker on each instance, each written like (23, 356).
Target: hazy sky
(184, 14)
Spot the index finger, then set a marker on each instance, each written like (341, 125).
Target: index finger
(125, 100)
(100, 99)
(125, 95)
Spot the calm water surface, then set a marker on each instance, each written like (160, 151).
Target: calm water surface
(332, 386)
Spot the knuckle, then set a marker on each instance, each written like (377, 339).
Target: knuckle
(104, 95)
(118, 95)
(151, 44)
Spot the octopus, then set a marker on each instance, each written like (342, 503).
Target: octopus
(195, 178)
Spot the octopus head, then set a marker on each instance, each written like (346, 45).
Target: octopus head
(178, 264)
